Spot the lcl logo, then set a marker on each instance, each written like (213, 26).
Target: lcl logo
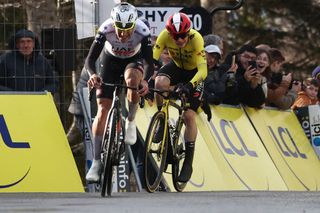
(11, 144)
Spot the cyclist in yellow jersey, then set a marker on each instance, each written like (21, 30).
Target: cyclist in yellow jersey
(189, 67)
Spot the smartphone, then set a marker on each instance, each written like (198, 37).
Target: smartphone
(233, 60)
(253, 64)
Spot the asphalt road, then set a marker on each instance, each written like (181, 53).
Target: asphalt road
(164, 202)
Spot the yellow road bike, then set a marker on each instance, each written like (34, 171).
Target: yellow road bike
(164, 144)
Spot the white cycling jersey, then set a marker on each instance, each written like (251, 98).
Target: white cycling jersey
(123, 50)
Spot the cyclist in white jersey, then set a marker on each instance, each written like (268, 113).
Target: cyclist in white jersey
(126, 45)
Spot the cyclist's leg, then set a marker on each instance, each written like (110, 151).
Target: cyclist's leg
(190, 136)
(163, 80)
(98, 125)
(133, 76)
(104, 100)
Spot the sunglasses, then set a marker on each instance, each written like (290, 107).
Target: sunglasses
(127, 26)
(180, 35)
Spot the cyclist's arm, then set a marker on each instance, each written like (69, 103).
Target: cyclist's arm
(94, 53)
(201, 60)
(146, 51)
(159, 46)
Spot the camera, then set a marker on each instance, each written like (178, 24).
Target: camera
(253, 64)
(276, 78)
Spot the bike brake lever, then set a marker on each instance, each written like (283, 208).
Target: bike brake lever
(141, 102)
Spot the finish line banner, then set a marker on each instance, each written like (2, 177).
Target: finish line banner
(35, 154)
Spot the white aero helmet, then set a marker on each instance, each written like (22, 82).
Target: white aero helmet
(124, 16)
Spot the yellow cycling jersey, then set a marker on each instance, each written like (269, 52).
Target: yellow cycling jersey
(190, 57)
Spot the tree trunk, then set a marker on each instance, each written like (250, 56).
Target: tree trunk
(41, 15)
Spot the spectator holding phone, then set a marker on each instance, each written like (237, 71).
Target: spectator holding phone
(263, 66)
(247, 78)
(281, 92)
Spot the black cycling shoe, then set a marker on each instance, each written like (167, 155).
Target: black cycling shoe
(185, 173)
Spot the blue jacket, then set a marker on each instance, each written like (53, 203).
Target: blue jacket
(20, 74)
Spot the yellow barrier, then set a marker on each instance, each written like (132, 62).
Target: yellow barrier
(230, 155)
(289, 148)
(35, 155)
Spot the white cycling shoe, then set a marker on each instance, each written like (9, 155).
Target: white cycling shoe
(131, 132)
(93, 174)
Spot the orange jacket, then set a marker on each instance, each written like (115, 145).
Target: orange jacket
(303, 100)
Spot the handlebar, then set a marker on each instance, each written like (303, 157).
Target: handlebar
(171, 93)
(92, 90)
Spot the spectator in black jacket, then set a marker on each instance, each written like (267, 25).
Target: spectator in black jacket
(245, 78)
(24, 68)
(214, 84)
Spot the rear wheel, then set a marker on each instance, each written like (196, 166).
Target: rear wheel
(178, 158)
(155, 152)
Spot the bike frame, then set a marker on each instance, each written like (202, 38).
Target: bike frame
(167, 102)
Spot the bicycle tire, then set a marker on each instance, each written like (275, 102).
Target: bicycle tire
(108, 166)
(178, 158)
(104, 154)
(154, 159)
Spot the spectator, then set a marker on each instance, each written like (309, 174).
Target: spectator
(263, 66)
(214, 85)
(75, 108)
(308, 95)
(24, 68)
(316, 75)
(263, 46)
(215, 40)
(281, 92)
(247, 87)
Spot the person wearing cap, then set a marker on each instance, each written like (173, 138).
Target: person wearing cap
(24, 68)
(214, 84)
(216, 40)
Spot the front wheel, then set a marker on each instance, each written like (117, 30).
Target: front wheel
(109, 155)
(155, 151)
(178, 158)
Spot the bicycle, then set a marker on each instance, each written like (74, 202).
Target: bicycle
(170, 148)
(113, 145)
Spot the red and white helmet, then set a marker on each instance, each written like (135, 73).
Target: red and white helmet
(178, 23)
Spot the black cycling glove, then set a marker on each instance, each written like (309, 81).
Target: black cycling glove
(185, 89)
